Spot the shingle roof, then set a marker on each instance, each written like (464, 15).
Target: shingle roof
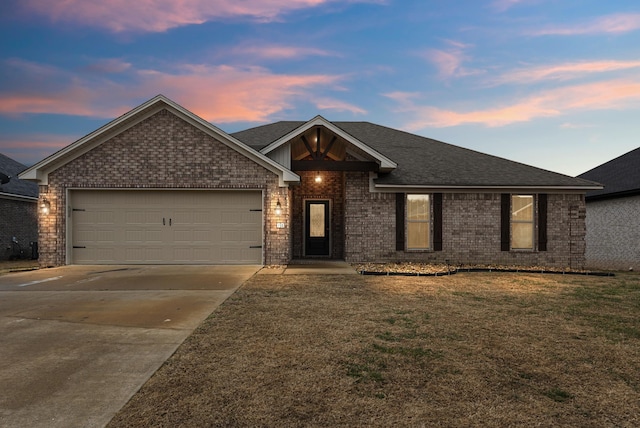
(262, 136)
(16, 186)
(620, 176)
(423, 161)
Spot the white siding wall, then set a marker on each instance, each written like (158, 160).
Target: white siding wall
(613, 234)
(282, 155)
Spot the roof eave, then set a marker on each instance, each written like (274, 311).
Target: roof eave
(614, 195)
(14, 196)
(493, 189)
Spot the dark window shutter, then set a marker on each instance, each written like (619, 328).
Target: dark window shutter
(505, 222)
(400, 221)
(542, 222)
(437, 221)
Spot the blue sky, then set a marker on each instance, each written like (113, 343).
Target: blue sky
(550, 83)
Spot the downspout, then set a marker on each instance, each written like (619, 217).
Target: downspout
(570, 239)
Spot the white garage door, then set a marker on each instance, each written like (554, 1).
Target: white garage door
(166, 227)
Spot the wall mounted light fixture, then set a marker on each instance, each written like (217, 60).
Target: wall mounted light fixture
(45, 206)
(278, 209)
(318, 178)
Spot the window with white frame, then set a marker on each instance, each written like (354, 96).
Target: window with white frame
(418, 222)
(522, 222)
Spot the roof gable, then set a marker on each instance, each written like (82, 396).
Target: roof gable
(41, 170)
(620, 176)
(386, 164)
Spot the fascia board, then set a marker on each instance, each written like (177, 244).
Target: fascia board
(386, 164)
(16, 197)
(394, 188)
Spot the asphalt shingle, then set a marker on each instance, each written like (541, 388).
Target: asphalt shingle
(424, 161)
(620, 176)
(16, 186)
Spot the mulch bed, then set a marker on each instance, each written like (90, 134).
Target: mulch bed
(428, 269)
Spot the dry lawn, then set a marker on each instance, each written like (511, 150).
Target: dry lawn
(7, 266)
(476, 349)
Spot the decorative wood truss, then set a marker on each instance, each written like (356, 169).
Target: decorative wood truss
(325, 152)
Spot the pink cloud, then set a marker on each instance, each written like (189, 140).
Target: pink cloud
(30, 149)
(617, 23)
(565, 71)
(161, 15)
(41, 88)
(503, 5)
(615, 94)
(279, 51)
(450, 62)
(75, 101)
(217, 93)
(447, 63)
(108, 66)
(229, 94)
(337, 105)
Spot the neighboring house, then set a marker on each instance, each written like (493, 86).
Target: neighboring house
(18, 211)
(161, 185)
(613, 214)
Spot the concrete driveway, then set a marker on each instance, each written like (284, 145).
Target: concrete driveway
(77, 342)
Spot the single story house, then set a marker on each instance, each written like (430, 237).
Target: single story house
(613, 214)
(18, 211)
(161, 185)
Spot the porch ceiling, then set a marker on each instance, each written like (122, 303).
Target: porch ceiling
(318, 143)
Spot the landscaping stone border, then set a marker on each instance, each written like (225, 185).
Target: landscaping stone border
(453, 272)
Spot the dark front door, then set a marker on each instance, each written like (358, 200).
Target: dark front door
(317, 226)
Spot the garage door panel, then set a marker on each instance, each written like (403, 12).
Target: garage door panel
(143, 217)
(182, 254)
(138, 236)
(166, 226)
(94, 255)
(234, 255)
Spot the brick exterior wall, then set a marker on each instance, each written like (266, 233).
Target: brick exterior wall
(165, 152)
(613, 234)
(19, 219)
(471, 229)
(161, 152)
(369, 221)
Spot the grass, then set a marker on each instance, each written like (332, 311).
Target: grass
(7, 266)
(482, 349)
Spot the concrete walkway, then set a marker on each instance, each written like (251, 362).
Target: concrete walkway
(312, 267)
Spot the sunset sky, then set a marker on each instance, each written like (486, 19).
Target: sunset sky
(550, 83)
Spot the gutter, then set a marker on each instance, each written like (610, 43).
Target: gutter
(15, 197)
(395, 188)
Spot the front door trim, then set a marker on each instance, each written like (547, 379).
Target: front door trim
(314, 246)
